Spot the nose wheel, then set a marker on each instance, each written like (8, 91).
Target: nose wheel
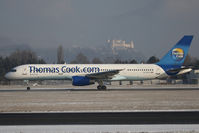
(28, 88)
(27, 82)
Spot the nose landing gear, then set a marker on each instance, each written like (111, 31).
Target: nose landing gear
(27, 82)
(28, 88)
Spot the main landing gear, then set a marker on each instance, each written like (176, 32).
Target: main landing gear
(101, 85)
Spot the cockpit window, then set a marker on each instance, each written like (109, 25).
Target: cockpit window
(13, 70)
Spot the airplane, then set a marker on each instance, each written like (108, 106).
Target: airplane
(87, 74)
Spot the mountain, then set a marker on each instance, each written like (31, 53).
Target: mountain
(8, 46)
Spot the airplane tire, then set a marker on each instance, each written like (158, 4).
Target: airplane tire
(28, 88)
(99, 87)
(103, 87)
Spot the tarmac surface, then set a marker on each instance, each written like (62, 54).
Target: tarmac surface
(88, 99)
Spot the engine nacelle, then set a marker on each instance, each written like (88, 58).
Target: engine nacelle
(81, 81)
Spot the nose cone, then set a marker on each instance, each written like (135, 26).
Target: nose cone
(8, 75)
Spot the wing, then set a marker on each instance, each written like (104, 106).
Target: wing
(103, 75)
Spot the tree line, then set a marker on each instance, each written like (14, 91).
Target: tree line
(82, 59)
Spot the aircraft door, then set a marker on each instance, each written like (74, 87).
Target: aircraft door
(60, 73)
(25, 71)
(158, 71)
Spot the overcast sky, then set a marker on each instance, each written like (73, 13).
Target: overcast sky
(154, 25)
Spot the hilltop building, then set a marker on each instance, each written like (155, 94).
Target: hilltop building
(119, 45)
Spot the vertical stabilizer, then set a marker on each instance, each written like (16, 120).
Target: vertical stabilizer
(176, 56)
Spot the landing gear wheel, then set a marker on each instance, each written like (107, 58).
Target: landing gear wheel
(28, 88)
(103, 87)
(99, 87)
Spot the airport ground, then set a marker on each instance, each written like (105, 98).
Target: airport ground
(67, 98)
(118, 98)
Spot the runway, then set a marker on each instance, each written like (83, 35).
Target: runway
(68, 118)
(90, 99)
(94, 89)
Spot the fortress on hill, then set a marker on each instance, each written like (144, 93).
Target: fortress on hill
(119, 45)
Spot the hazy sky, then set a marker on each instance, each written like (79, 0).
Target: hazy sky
(154, 25)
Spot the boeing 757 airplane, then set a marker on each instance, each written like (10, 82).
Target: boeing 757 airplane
(87, 74)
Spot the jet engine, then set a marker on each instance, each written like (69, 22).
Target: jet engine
(81, 81)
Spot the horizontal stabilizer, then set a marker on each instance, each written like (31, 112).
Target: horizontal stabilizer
(179, 71)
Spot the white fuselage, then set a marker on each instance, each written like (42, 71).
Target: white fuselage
(67, 71)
